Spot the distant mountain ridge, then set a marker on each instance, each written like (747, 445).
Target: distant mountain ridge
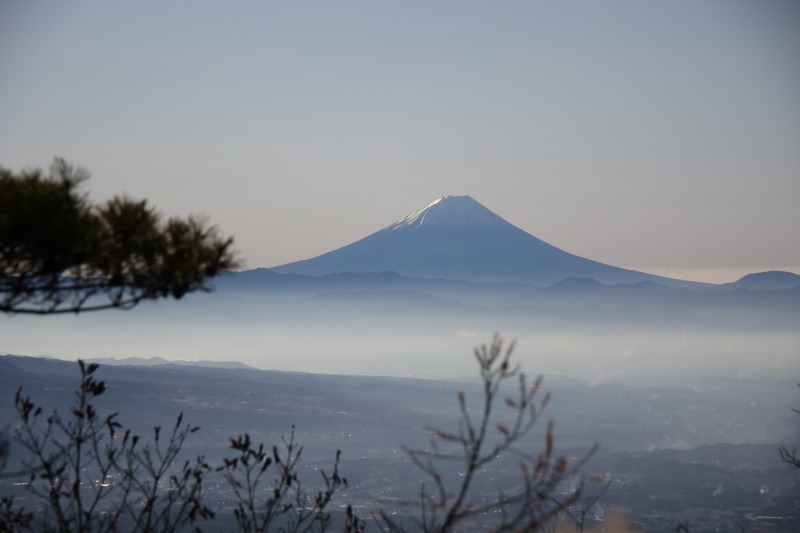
(457, 238)
(772, 280)
(158, 361)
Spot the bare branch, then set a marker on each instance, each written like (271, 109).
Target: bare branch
(484, 438)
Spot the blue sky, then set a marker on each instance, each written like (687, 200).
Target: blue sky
(656, 135)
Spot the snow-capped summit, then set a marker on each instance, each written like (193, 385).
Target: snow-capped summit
(456, 237)
(450, 212)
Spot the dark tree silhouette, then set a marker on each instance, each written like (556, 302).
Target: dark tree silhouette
(59, 253)
(788, 456)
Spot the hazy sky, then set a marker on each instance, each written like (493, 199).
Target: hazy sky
(655, 135)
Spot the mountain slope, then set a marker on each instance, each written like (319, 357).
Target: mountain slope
(456, 237)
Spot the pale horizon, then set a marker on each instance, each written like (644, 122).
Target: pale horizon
(711, 275)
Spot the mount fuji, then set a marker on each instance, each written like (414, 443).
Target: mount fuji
(457, 238)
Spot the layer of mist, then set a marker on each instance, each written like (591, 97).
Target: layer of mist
(389, 325)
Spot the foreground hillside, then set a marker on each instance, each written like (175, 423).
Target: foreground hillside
(703, 454)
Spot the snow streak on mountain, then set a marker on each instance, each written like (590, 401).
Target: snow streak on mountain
(455, 237)
(451, 212)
